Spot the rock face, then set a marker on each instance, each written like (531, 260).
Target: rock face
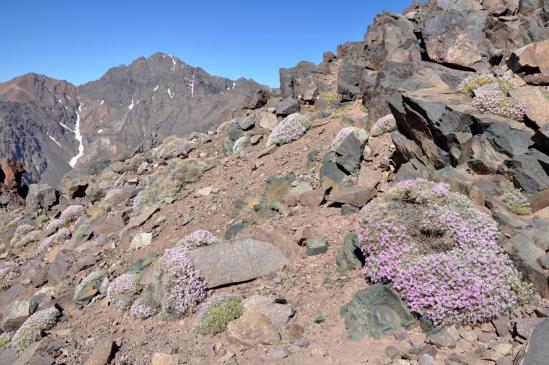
(12, 191)
(128, 109)
(537, 352)
(377, 312)
(236, 261)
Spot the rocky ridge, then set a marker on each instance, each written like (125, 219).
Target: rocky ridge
(258, 235)
(59, 126)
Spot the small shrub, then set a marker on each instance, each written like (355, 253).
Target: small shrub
(41, 219)
(32, 329)
(515, 200)
(68, 215)
(140, 310)
(214, 315)
(493, 101)
(383, 125)
(440, 253)
(122, 290)
(187, 288)
(7, 277)
(359, 134)
(198, 238)
(473, 82)
(5, 338)
(289, 129)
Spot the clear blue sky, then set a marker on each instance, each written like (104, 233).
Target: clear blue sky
(79, 40)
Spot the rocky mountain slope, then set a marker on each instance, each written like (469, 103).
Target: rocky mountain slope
(385, 209)
(52, 126)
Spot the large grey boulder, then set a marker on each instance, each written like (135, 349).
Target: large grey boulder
(391, 38)
(16, 314)
(457, 38)
(41, 197)
(236, 261)
(377, 311)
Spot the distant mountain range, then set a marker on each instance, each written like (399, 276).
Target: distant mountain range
(52, 126)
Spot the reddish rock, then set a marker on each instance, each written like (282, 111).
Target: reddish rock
(11, 173)
(540, 200)
(103, 353)
(11, 193)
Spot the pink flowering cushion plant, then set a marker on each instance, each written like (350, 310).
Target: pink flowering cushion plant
(440, 253)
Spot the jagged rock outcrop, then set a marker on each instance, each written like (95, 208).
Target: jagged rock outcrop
(12, 191)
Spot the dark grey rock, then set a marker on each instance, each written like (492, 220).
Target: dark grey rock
(236, 261)
(349, 257)
(316, 246)
(525, 326)
(349, 153)
(537, 351)
(40, 197)
(377, 311)
(287, 106)
(330, 174)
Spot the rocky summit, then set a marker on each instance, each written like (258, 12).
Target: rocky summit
(387, 206)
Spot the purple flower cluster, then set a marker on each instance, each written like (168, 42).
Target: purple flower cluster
(34, 326)
(448, 266)
(122, 290)
(288, 130)
(7, 277)
(495, 102)
(141, 310)
(198, 238)
(418, 191)
(69, 214)
(188, 287)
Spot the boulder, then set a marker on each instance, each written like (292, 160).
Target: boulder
(357, 196)
(349, 257)
(236, 261)
(16, 314)
(287, 106)
(256, 99)
(316, 246)
(540, 200)
(140, 240)
(295, 81)
(266, 120)
(541, 139)
(537, 351)
(537, 104)
(278, 313)
(457, 38)
(391, 38)
(74, 185)
(252, 329)
(377, 311)
(103, 353)
(349, 153)
(40, 198)
(528, 171)
(531, 59)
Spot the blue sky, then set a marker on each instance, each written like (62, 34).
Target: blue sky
(79, 40)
